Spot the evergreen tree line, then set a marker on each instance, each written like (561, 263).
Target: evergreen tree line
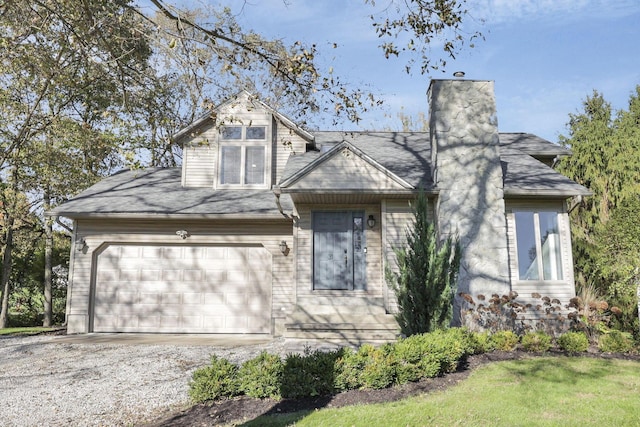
(606, 226)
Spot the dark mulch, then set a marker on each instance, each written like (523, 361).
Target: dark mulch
(244, 408)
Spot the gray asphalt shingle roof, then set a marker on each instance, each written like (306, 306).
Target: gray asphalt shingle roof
(159, 191)
(523, 175)
(408, 155)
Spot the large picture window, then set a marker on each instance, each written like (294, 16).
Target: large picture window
(538, 245)
(243, 156)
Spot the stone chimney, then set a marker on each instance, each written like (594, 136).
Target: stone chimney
(467, 171)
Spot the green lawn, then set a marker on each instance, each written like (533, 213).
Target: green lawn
(534, 392)
(31, 330)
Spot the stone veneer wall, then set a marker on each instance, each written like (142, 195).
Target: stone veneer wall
(468, 173)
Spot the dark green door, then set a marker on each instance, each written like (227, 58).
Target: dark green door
(338, 250)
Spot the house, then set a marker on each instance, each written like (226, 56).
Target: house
(271, 229)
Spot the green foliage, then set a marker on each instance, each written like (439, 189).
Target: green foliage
(606, 159)
(261, 376)
(421, 21)
(573, 342)
(348, 367)
(26, 301)
(377, 367)
(541, 391)
(310, 374)
(618, 250)
(616, 341)
(426, 277)
(432, 354)
(216, 380)
(504, 340)
(318, 373)
(536, 341)
(481, 342)
(413, 361)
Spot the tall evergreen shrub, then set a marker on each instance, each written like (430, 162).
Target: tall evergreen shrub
(427, 275)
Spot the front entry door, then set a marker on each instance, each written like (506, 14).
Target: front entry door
(338, 250)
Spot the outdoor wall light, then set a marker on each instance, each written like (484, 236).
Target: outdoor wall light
(182, 233)
(81, 245)
(371, 221)
(283, 247)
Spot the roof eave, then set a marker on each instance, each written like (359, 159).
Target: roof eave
(537, 193)
(165, 216)
(408, 191)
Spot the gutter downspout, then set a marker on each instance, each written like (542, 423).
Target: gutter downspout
(56, 218)
(575, 202)
(277, 192)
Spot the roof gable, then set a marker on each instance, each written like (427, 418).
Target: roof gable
(345, 168)
(241, 103)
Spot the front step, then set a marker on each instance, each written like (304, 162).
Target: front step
(350, 337)
(352, 327)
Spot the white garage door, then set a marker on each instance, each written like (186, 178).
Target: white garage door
(183, 289)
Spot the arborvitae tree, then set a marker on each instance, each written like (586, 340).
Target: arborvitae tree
(606, 159)
(427, 275)
(618, 248)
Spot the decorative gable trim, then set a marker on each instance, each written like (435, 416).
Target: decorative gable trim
(242, 95)
(347, 150)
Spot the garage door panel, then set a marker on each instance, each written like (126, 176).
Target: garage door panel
(192, 299)
(202, 289)
(193, 275)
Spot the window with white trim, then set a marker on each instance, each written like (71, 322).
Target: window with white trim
(243, 156)
(538, 245)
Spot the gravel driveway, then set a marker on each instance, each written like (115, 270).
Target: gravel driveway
(47, 382)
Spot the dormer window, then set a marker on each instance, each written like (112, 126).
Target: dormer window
(243, 156)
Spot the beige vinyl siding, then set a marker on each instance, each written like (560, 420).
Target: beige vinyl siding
(201, 150)
(561, 289)
(346, 170)
(98, 233)
(304, 261)
(285, 143)
(199, 165)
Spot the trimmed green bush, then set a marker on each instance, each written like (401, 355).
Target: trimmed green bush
(504, 340)
(310, 374)
(378, 371)
(432, 354)
(451, 347)
(368, 367)
(536, 341)
(413, 361)
(573, 342)
(615, 341)
(347, 370)
(481, 342)
(218, 379)
(320, 373)
(261, 376)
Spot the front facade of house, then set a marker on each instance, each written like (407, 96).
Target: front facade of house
(270, 229)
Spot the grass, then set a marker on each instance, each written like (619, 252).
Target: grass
(29, 330)
(533, 392)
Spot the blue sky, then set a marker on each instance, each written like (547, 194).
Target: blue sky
(545, 56)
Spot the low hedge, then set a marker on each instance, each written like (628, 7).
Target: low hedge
(318, 373)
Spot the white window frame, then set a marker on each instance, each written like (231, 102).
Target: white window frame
(243, 144)
(561, 269)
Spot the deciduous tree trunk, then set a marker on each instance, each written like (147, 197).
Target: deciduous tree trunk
(48, 253)
(6, 270)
